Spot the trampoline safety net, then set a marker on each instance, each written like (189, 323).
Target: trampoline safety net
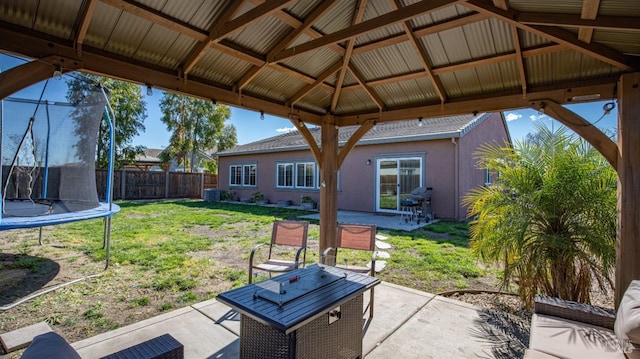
(48, 155)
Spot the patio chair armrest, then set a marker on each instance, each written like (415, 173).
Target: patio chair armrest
(373, 263)
(300, 250)
(253, 253)
(578, 312)
(324, 254)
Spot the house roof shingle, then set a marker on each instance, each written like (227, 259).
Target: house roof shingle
(387, 132)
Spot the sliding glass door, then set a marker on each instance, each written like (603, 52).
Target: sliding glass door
(397, 177)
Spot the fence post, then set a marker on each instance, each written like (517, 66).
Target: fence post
(123, 184)
(201, 184)
(166, 184)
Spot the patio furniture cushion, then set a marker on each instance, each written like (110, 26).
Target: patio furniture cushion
(565, 338)
(627, 325)
(49, 346)
(276, 265)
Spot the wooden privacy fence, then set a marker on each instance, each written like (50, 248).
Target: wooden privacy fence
(131, 184)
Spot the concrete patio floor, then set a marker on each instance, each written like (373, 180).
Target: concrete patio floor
(386, 221)
(407, 324)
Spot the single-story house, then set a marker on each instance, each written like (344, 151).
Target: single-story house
(388, 162)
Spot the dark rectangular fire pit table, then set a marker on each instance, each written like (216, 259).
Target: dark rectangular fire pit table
(313, 312)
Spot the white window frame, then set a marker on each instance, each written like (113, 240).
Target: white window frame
(245, 178)
(304, 175)
(296, 175)
(285, 165)
(487, 177)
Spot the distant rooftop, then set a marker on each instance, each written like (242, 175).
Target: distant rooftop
(387, 132)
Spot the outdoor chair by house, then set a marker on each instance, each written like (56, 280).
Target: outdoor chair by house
(566, 329)
(358, 237)
(291, 234)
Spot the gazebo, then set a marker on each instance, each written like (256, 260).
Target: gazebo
(337, 63)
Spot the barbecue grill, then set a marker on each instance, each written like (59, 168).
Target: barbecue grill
(417, 206)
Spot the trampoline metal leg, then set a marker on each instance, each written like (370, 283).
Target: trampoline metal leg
(40, 236)
(107, 241)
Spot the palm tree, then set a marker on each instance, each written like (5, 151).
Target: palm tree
(550, 218)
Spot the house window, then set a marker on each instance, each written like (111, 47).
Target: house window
(285, 175)
(305, 175)
(249, 175)
(243, 175)
(235, 175)
(302, 175)
(487, 177)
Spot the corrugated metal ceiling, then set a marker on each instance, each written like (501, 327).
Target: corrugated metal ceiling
(473, 59)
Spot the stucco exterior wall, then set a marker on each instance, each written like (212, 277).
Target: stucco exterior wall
(491, 131)
(450, 175)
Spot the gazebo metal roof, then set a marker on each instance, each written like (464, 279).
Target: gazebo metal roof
(353, 59)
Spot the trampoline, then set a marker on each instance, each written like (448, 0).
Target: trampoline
(47, 161)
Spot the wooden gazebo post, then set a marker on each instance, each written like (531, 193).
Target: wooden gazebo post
(628, 240)
(329, 184)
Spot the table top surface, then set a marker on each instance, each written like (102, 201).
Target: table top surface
(289, 300)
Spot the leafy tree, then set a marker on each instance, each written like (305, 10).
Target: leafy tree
(550, 217)
(130, 112)
(196, 126)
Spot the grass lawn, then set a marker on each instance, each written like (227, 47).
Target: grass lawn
(167, 255)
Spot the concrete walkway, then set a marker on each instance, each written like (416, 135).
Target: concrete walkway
(387, 221)
(407, 324)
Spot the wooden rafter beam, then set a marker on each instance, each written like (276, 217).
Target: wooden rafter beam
(618, 23)
(198, 51)
(323, 76)
(85, 19)
(421, 32)
(250, 17)
(23, 76)
(288, 19)
(377, 23)
(199, 35)
(519, 59)
(378, 101)
(557, 35)
(38, 45)
(353, 140)
(224, 26)
(502, 4)
(487, 104)
(311, 141)
(582, 127)
(422, 55)
(589, 11)
(357, 18)
(287, 40)
(318, 12)
(546, 49)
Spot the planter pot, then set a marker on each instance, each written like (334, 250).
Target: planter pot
(263, 202)
(308, 205)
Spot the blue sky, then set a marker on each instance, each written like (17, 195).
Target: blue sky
(251, 128)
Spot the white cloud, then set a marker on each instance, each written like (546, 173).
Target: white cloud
(286, 129)
(538, 117)
(512, 116)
